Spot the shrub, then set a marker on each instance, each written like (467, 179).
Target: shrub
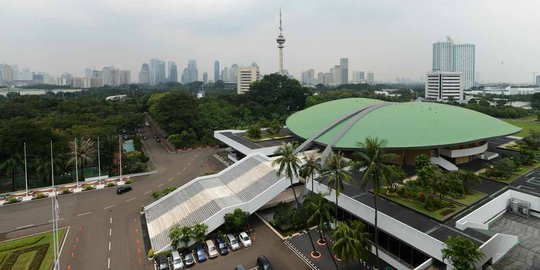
(12, 200)
(89, 187)
(111, 184)
(129, 181)
(422, 197)
(236, 221)
(254, 132)
(151, 253)
(400, 192)
(39, 195)
(66, 191)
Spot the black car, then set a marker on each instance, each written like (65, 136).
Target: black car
(222, 246)
(263, 263)
(188, 259)
(123, 189)
(163, 263)
(157, 138)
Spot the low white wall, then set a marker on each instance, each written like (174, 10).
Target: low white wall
(425, 265)
(240, 147)
(389, 259)
(497, 247)
(463, 152)
(481, 217)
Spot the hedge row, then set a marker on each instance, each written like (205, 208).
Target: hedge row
(20, 243)
(41, 251)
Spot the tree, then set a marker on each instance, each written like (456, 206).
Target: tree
(186, 232)
(275, 127)
(199, 231)
(10, 166)
(254, 132)
(501, 168)
(336, 175)
(319, 211)
(311, 166)
(461, 253)
(352, 242)
(375, 161)
(236, 222)
(174, 235)
(84, 151)
(289, 165)
(394, 177)
(422, 161)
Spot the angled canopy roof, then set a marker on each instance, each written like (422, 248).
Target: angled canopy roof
(342, 123)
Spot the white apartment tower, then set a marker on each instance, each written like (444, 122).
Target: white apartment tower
(452, 57)
(444, 86)
(246, 75)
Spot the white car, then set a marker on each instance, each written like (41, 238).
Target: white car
(233, 243)
(211, 248)
(177, 262)
(244, 239)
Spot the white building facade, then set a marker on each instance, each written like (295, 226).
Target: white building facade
(246, 75)
(444, 86)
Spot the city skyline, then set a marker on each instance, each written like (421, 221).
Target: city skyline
(395, 43)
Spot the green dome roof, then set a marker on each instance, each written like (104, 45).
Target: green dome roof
(402, 125)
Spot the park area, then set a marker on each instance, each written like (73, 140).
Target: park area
(528, 124)
(33, 252)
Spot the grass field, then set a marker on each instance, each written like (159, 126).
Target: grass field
(472, 198)
(526, 124)
(32, 252)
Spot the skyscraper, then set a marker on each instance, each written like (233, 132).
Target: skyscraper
(205, 77)
(190, 74)
(172, 72)
(144, 74)
(246, 75)
(336, 73)
(370, 77)
(124, 77)
(88, 73)
(280, 41)
(308, 77)
(157, 71)
(538, 80)
(448, 56)
(344, 70)
(358, 77)
(216, 71)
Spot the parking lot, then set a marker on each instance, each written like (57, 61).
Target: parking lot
(265, 242)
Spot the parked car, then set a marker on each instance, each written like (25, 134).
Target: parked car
(232, 242)
(222, 246)
(123, 189)
(144, 137)
(239, 267)
(244, 239)
(263, 263)
(188, 259)
(157, 138)
(177, 262)
(163, 263)
(201, 254)
(212, 250)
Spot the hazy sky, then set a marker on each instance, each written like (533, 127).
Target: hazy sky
(392, 38)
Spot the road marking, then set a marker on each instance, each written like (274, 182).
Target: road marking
(110, 232)
(160, 185)
(129, 200)
(84, 214)
(110, 206)
(147, 192)
(57, 220)
(178, 173)
(171, 178)
(110, 220)
(109, 263)
(25, 226)
(189, 163)
(109, 245)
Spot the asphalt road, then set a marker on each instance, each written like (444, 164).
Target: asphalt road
(105, 230)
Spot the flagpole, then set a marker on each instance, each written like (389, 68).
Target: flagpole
(120, 154)
(25, 171)
(76, 164)
(53, 209)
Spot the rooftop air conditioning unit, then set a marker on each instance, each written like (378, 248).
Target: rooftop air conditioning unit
(519, 207)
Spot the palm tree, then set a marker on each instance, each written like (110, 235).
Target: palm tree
(311, 166)
(461, 253)
(289, 164)
(11, 165)
(337, 175)
(351, 241)
(319, 211)
(375, 160)
(86, 151)
(43, 168)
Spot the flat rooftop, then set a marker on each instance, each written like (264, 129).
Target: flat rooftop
(239, 138)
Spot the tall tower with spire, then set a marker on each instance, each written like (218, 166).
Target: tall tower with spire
(280, 41)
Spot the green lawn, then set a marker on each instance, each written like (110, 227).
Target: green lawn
(516, 174)
(265, 136)
(24, 259)
(419, 207)
(472, 198)
(526, 124)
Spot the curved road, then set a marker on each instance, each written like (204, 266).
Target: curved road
(104, 227)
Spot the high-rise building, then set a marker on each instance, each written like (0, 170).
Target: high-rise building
(216, 71)
(205, 77)
(280, 41)
(233, 73)
(370, 77)
(124, 77)
(144, 74)
(538, 80)
(344, 70)
(452, 57)
(110, 76)
(336, 73)
(358, 77)
(246, 75)
(157, 71)
(308, 77)
(190, 74)
(444, 86)
(88, 73)
(15, 73)
(328, 78)
(225, 74)
(172, 72)
(320, 77)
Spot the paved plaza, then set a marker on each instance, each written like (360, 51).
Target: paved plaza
(526, 255)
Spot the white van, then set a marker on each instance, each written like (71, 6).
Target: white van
(211, 248)
(233, 243)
